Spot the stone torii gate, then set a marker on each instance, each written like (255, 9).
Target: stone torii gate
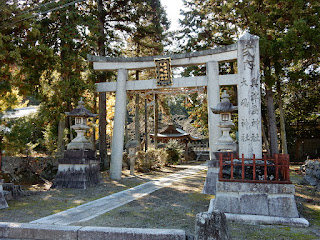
(247, 80)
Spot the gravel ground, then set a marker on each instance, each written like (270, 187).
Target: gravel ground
(171, 207)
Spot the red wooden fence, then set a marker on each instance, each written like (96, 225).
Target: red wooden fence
(265, 170)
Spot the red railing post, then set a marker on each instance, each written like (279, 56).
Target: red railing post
(221, 165)
(287, 167)
(231, 166)
(276, 158)
(254, 167)
(242, 166)
(265, 167)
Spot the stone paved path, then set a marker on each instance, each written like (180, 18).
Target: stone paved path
(100, 206)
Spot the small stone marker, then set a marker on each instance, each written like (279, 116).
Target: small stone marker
(132, 149)
(211, 226)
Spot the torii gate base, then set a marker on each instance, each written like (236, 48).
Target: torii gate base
(247, 80)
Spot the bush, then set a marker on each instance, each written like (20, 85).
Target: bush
(174, 152)
(152, 159)
(23, 137)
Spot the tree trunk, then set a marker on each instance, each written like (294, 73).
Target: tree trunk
(70, 123)
(95, 96)
(61, 127)
(265, 139)
(282, 121)
(102, 130)
(102, 96)
(156, 120)
(272, 122)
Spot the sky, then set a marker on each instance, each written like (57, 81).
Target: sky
(172, 8)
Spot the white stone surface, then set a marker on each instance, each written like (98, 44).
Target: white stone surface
(198, 81)
(118, 127)
(260, 219)
(19, 231)
(134, 65)
(249, 97)
(72, 167)
(213, 95)
(256, 199)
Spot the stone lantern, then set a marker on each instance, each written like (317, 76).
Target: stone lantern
(79, 167)
(81, 114)
(225, 108)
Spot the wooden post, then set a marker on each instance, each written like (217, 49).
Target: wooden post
(242, 167)
(254, 167)
(265, 167)
(156, 119)
(221, 165)
(277, 166)
(231, 167)
(146, 125)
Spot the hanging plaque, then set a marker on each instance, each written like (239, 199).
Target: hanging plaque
(163, 71)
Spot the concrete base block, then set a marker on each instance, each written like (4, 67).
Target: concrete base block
(227, 203)
(35, 231)
(275, 200)
(93, 233)
(260, 219)
(282, 206)
(211, 180)
(253, 204)
(25, 231)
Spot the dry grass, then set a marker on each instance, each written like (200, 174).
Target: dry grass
(170, 207)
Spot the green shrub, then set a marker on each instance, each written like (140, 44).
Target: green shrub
(174, 152)
(23, 137)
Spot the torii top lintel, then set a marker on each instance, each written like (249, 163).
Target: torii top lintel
(219, 54)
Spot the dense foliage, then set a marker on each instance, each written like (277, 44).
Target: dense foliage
(44, 46)
(289, 50)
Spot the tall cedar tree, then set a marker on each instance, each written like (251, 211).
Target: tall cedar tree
(146, 39)
(12, 32)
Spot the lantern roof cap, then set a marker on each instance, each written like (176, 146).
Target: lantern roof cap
(225, 106)
(132, 144)
(81, 111)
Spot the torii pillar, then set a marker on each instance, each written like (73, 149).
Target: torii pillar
(118, 127)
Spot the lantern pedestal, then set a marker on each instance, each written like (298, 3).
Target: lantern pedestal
(78, 169)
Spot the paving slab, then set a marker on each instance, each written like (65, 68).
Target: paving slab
(100, 206)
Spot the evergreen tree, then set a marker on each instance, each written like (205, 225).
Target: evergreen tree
(12, 31)
(146, 39)
(288, 32)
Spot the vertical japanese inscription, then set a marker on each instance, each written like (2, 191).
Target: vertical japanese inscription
(249, 96)
(163, 71)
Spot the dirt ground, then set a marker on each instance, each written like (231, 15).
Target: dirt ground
(172, 207)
